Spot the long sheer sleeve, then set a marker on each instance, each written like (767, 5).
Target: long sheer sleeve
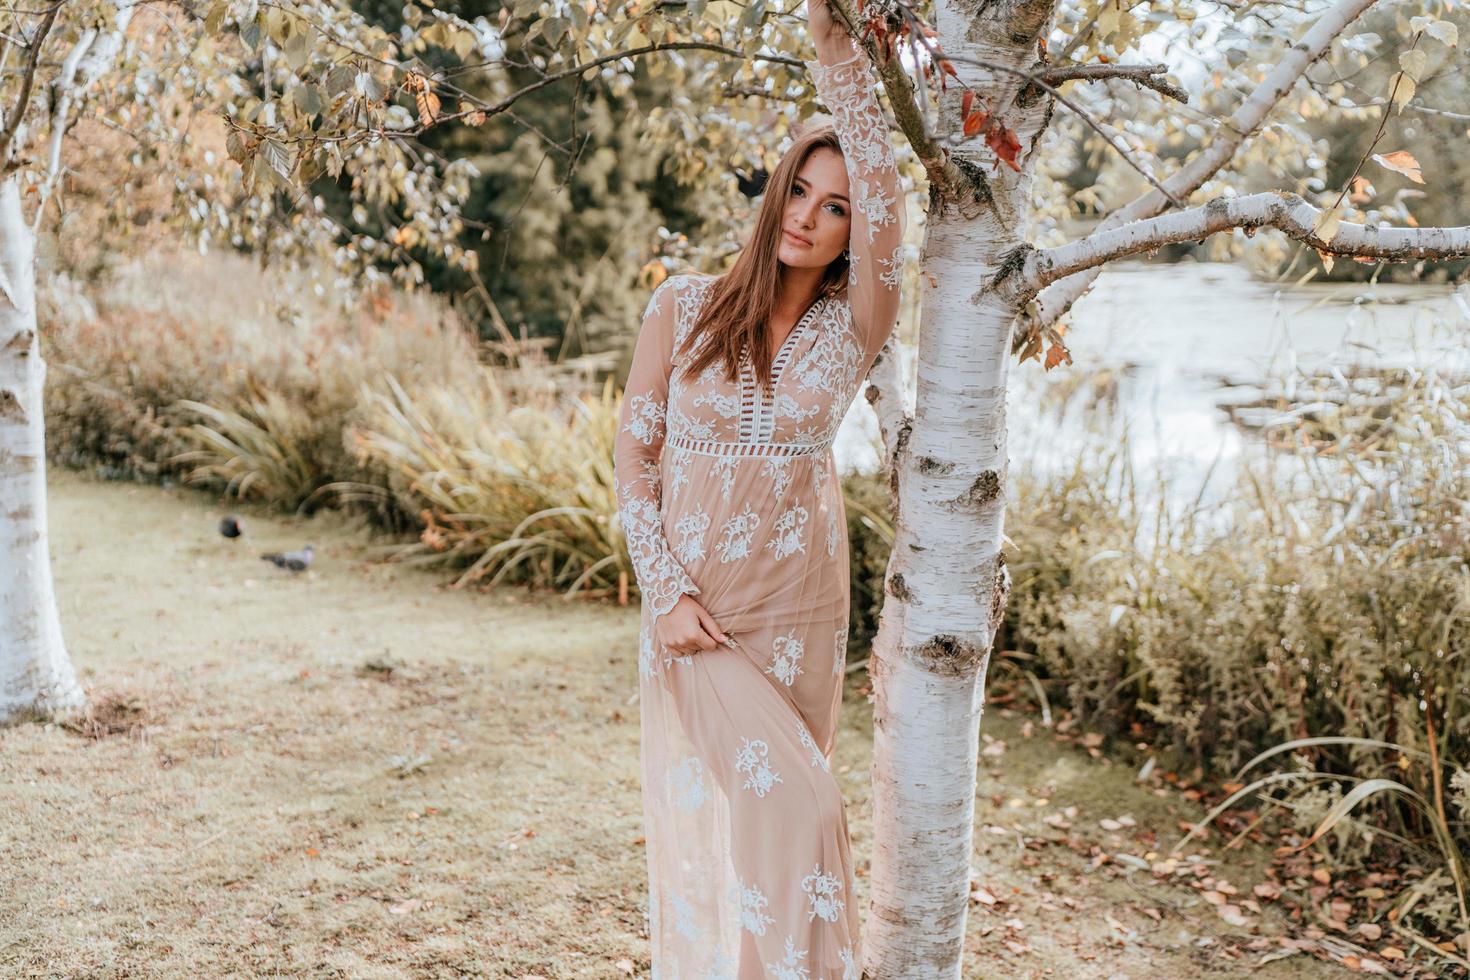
(636, 453)
(848, 89)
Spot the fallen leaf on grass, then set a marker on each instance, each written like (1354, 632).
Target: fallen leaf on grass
(1233, 915)
(626, 965)
(403, 908)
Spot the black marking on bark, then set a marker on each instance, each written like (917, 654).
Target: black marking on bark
(10, 407)
(1000, 592)
(900, 448)
(929, 466)
(916, 547)
(949, 655)
(897, 587)
(22, 342)
(985, 489)
(975, 189)
(21, 513)
(1011, 263)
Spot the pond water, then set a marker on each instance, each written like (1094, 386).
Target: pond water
(1158, 351)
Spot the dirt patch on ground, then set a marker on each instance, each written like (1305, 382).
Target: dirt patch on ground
(353, 773)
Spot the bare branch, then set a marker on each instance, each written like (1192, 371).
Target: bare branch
(1149, 76)
(90, 57)
(1285, 212)
(1246, 119)
(22, 103)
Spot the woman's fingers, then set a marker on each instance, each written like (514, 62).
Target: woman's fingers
(710, 626)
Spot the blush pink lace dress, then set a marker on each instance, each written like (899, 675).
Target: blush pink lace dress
(731, 493)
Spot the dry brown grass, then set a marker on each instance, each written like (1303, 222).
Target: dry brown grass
(353, 773)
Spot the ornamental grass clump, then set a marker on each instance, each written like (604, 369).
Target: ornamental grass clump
(1324, 608)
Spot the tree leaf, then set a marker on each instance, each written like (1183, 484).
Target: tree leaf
(1403, 90)
(1003, 141)
(216, 17)
(1413, 62)
(1446, 32)
(1401, 162)
(307, 99)
(1327, 224)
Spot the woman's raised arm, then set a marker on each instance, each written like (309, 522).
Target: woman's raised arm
(844, 80)
(636, 452)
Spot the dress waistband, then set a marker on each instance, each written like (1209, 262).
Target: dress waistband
(712, 447)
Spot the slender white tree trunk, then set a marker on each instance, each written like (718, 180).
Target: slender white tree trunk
(947, 585)
(36, 677)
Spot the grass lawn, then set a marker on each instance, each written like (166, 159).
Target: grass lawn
(354, 772)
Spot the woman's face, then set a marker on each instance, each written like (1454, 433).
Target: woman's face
(814, 230)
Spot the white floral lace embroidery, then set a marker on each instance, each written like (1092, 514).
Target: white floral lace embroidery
(822, 889)
(753, 905)
(685, 784)
(785, 658)
(786, 539)
(751, 760)
(691, 528)
(736, 534)
(791, 966)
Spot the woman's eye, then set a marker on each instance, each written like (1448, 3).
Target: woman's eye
(837, 209)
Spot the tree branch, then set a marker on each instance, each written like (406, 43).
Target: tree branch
(1285, 212)
(22, 103)
(1247, 118)
(1146, 75)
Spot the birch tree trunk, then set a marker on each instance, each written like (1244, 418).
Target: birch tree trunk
(36, 677)
(946, 585)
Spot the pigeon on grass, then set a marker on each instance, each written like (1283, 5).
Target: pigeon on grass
(296, 561)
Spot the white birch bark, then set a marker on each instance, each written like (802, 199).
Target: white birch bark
(947, 584)
(36, 677)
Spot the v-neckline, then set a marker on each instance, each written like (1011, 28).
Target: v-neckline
(801, 324)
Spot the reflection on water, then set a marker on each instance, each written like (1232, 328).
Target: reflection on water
(1157, 350)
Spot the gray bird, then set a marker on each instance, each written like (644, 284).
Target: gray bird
(296, 561)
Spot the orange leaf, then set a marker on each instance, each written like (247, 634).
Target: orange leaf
(1057, 354)
(967, 102)
(974, 122)
(1003, 141)
(1401, 162)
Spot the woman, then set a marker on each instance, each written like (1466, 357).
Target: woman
(728, 492)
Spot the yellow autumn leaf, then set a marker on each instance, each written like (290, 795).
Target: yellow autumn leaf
(1413, 62)
(1403, 89)
(1327, 224)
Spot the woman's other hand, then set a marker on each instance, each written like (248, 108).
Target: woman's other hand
(688, 628)
(823, 23)
(829, 35)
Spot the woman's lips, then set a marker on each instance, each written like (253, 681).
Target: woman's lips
(798, 239)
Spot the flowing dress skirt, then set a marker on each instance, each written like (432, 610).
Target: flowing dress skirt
(749, 860)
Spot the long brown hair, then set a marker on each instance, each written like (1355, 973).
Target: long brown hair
(737, 309)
